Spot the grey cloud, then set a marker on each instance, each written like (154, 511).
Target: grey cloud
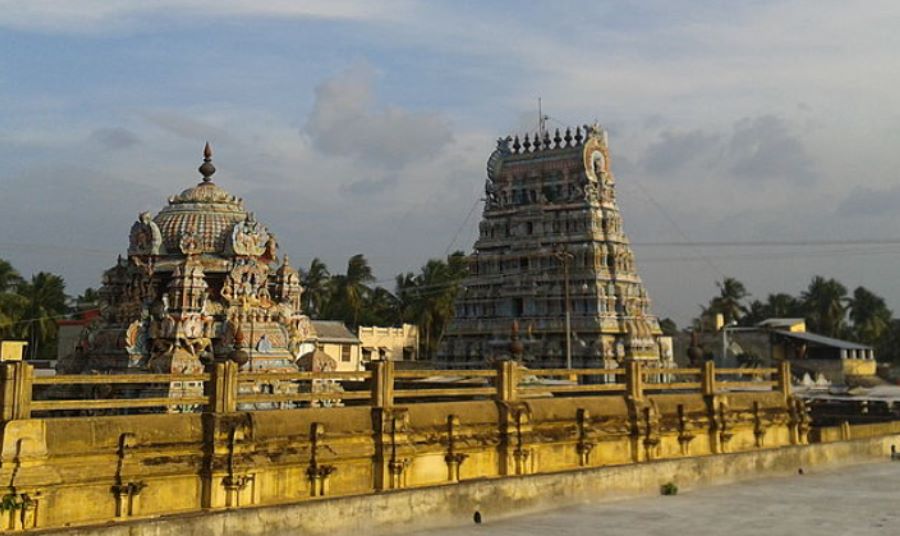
(871, 202)
(759, 148)
(69, 219)
(115, 138)
(764, 148)
(345, 122)
(188, 128)
(368, 186)
(674, 150)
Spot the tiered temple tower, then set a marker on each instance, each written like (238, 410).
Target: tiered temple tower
(551, 221)
(202, 283)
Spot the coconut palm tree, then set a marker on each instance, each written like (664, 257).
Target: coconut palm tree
(826, 303)
(316, 287)
(12, 306)
(870, 315)
(729, 301)
(89, 299)
(46, 299)
(779, 305)
(427, 299)
(9, 277)
(381, 308)
(350, 291)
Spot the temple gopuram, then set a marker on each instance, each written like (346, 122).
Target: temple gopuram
(201, 283)
(550, 241)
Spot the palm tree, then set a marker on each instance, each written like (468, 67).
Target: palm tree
(870, 315)
(779, 305)
(351, 289)
(381, 308)
(427, 299)
(89, 299)
(13, 309)
(731, 293)
(46, 300)
(783, 305)
(9, 277)
(316, 287)
(12, 306)
(729, 301)
(826, 303)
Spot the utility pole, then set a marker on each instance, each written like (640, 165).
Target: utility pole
(565, 258)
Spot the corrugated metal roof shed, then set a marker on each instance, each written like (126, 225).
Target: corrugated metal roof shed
(822, 340)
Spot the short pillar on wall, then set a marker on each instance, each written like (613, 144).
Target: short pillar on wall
(390, 460)
(634, 380)
(23, 512)
(126, 492)
(784, 379)
(708, 378)
(507, 380)
(319, 474)
(453, 458)
(382, 384)
(223, 387)
(15, 390)
(584, 446)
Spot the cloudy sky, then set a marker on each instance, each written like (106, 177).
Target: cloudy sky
(363, 127)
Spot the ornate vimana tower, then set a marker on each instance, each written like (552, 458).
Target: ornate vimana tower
(550, 222)
(201, 283)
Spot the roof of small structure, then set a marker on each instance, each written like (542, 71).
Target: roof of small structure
(316, 361)
(780, 322)
(333, 331)
(822, 340)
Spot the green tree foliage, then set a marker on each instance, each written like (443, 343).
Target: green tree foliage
(730, 301)
(12, 305)
(668, 326)
(825, 302)
(89, 299)
(317, 288)
(870, 316)
(45, 295)
(779, 305)
(827, 308)
(349, 291)
(427, 298)
(9, 277)
(29, 309)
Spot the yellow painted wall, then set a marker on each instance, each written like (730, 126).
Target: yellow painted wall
(83, 470)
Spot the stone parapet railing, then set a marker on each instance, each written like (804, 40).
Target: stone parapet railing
(68, 461)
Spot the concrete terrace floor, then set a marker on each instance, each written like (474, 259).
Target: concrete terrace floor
(855, 500)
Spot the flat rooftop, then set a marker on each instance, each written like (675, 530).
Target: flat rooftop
(858, 500)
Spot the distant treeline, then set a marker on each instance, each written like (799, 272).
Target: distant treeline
(826, 305)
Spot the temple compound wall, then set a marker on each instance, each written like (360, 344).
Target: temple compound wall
(87, 467)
